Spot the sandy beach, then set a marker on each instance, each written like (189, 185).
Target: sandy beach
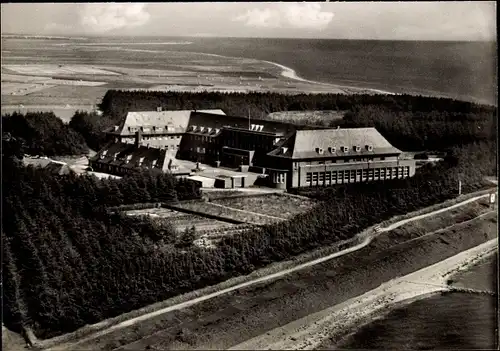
(333, 323)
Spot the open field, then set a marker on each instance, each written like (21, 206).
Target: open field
(54, 69)
(252, 311)
(324, 116)
(275, 205)
(55, 72)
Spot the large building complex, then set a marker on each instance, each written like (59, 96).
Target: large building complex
(286, 155)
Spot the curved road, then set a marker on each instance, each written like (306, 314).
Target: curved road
(366, 241)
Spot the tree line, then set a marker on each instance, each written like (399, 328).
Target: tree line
(69, 262)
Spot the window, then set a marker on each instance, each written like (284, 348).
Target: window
(315, 176)
(353, 174)
(308, 177)
(322, 177)
(377, 173)
(370, 173)
(346, 175)
(382, 159)
(382, 173)
(358, 173)
(334, 176)
(341, 176)
(328, 176)
(406, 172)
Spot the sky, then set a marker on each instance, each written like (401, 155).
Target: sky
(438, 20)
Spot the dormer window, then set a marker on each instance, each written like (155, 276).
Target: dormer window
(332, 149)
(217, 130)
(260, 128)
(129, 157)
(209, 130)
(193, 128)
(153, 163)
(319, 150)
(202, 129)
(252, 127)
(284, 150)
(141, 160)
(369, 147)
(103, 154)
(357, 148)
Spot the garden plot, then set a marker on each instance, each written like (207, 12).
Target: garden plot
(282, 206)
(181, 220)
(222, 211)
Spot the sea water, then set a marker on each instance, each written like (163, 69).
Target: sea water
(450, 321)
(462, 70)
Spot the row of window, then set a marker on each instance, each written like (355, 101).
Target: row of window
(360, 174)
(152, 138)
(206, 139)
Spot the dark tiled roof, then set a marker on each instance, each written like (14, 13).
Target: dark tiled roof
(309, 143)
(129, 156)
(199, 119)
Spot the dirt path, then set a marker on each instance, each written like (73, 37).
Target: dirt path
(365, 241)
(308, 333)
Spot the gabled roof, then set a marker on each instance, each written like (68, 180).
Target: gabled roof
(177, 121)
(130, 156)
(305, 143)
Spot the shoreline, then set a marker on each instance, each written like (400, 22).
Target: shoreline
(381, 314)
(290, 73)
(313, 330)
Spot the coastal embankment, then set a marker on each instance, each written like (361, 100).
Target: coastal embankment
(251, 310)
(331, 324)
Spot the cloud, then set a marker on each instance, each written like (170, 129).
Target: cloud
(303, 16)
(260, 18)
(102, 18)
(307, 16)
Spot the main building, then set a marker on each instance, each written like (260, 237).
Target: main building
(287, 156)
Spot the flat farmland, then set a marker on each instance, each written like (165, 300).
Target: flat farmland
(181, 220)
(281, 206)
(52, 69)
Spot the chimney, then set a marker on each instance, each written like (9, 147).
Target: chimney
(138, 138)
(116, 128)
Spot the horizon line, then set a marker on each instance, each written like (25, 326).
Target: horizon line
(90, 36)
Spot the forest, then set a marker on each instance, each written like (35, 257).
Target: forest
(68, 262)
(42, 133)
